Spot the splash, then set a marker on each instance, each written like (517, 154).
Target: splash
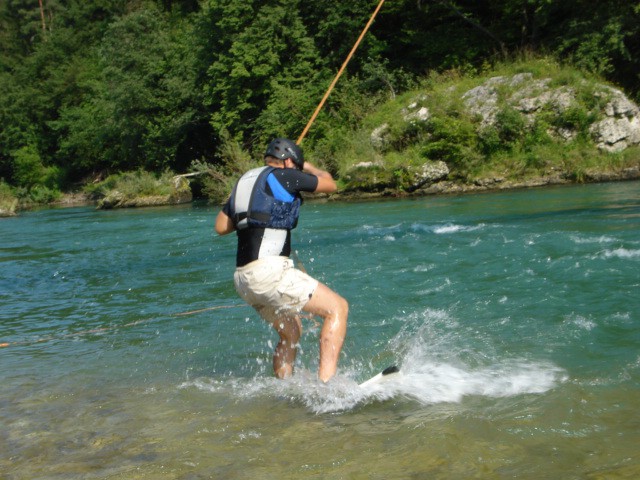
(428, 384)
(340, 394)
(437, 365)
(437, 383)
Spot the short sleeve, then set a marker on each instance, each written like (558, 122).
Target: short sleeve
(295, 181)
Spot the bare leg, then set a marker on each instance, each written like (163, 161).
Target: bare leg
(289, 329)
(334, 309)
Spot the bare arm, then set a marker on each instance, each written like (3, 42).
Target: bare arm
(224, 224)
(326, 183)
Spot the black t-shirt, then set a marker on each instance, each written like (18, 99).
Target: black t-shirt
(253, 242)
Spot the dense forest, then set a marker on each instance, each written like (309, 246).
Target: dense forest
(91, 88)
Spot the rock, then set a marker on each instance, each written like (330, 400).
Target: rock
(429, 172)
(368, 177)
(489, 182)
(416, 116)
(525, 100)
(620, 105)
(482, 101)
(380, 137)
(113, 199)
(8, 209)
(621, 126)
(374, 177)
(632, 173)
(616, 134)
(619, 129)
(519, 78)
(367, 165)
(563, 133)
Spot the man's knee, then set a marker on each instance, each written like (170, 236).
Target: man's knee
(343, 306)
(289, 329)
(339, 303)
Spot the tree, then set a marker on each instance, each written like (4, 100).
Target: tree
(254, 50)
(138, 105)
(122, 84)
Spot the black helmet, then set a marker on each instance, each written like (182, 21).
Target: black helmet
(283, 148)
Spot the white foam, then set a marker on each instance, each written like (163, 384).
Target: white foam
(440, 360)
(446, 228)
(385, 231)
(436, 383)
(586, 240)
(426, 383)
(583, 323)
(452, 228)
(621, 253)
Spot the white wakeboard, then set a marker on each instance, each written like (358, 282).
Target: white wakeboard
(386, 374)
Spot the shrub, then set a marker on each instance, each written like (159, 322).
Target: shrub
(8, 201)
(38, 195)
(510, 125)
(217, 181)
(451, 140)
(134, 184)
(29, 171)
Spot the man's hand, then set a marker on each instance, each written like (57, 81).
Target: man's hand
(326, 183)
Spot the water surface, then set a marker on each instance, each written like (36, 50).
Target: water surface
(513, 316)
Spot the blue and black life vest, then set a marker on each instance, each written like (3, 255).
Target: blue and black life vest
(252, 206)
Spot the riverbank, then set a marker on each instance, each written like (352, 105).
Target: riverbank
(492, 185)
(499, 183)
(521, 125)
(445, 187)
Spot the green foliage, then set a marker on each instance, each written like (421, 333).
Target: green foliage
(368, 179)
(576, 118)
(28, 168)
(134, 184)
(512, 144)
(511, 126)
(29, 172)
(8, 201)
(258, 50)
(217, 181)
(38, 195)
(115, 85)
(134, 105)
(450, 137)
(508, 133)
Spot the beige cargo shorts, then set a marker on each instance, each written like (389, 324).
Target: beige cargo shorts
(274, 287)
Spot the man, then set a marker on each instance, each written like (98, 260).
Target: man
(263, 209)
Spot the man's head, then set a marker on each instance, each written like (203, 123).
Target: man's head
(282, 149)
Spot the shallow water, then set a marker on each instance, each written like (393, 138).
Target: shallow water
(513, 316)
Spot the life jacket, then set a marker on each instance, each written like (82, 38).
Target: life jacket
(252, 206)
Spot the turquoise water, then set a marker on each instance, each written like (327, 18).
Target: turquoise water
(513, 316)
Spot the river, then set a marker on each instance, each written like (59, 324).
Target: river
(513, 316)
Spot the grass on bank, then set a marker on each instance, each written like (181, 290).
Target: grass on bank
(512, 147)
(132, 185)
(14, 198)
(8, 201)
